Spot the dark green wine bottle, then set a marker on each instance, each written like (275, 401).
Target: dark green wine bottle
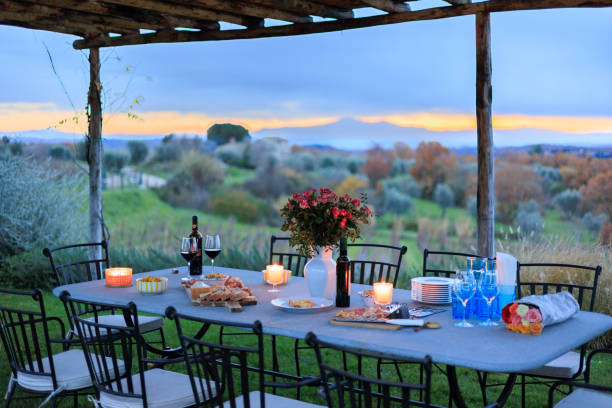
(195, 267)
(343, 276)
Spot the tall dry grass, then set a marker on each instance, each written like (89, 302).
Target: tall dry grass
(566, 250)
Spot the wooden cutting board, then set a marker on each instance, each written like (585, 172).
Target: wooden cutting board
(366, 325)
(233, 307)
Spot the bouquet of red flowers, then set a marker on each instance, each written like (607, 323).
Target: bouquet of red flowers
(522, 318)
(319, 218)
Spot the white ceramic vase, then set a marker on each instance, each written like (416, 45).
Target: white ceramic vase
(320, 273)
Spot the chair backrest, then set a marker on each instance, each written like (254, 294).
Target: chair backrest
(68, 270)
(285, 256)
(375, 269)
(25, 335)
(579, 280)
(447, 267)
(221, 369)
(111, 350)
(348, 389)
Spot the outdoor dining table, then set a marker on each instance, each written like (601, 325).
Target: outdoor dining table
(491, 349)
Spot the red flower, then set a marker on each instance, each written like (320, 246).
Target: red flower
(349, 215)
(303, 204)
(356, 203)
(367, 210)
(346, 197)
(343, 212)
(343, 223)
(506, 313)
(335, 212)
(296, 196)
(311, 191)
(290, 206)
(325, 191)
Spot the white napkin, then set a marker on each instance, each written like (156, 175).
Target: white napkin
(555, 307)
(506, 269)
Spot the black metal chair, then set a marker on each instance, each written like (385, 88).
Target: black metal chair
(226, 367)
(449, 256)
(143, 381)
(587, 395)
(570, 365)
(365, 272)
(346, 389)
(39, 364)
(285, 256)
(68, 271)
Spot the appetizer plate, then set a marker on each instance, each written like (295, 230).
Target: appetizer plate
(319, 304)
(152, 288)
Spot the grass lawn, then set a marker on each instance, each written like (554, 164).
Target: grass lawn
(537, 395)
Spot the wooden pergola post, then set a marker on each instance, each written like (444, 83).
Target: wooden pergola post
(486, 174)
(94, 116)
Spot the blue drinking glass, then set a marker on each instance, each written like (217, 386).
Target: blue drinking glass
(489, 289)
(477, 308)
(464, 287)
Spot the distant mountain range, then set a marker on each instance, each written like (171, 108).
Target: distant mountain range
(352, 134)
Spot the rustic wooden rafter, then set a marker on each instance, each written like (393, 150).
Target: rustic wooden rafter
(338, 25)
(458, 2)
(188, 8)
(387, 5)
(308, 7)
(254, 10)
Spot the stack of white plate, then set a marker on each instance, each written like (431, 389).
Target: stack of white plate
(432, 289)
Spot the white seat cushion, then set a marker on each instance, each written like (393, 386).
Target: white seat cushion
(273, 401)
(146, 323)
(585, 398)
(562, 367)
(70, 370)
(165, 389)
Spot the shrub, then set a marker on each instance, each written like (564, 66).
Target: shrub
(464, 182)
(80, 150)
(528, 219)
(114, 161)
(354, 163)
(567, 202)
(396, 202)
(60, 152)
(331, 176)
(434, 164)
(268, 149)
(138, 151)
(605, 234)
(444, 197)
(243, 206)
(222, 133)
(302, 161)
(272, 181)
(36, 201)
(404, 184)
(377, 165)
(352, 185)
(593, 223)
(514, 183)
(234, 154)
(549, 176)
(401, 166)
(167, 151)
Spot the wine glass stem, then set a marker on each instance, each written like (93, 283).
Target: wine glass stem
(465, 311)
(489, 310)
(212, 261)
(188, 267)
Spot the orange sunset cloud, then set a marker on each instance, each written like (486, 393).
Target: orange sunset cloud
(16, 117)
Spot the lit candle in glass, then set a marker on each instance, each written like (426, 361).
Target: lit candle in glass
(118, 277)
(383, 293)
(275, 274)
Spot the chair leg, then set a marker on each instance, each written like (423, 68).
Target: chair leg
(296, 356)
(522, 391)
(9, 394)
(75, 400)
(482, 382)
(274, 362)
(163, 337)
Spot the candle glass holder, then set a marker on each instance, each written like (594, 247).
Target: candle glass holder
(383, 293)
(274, 275)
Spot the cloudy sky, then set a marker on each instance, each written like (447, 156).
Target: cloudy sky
(551, 71)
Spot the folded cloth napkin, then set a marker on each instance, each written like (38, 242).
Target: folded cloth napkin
(506, 269)
(532, 313)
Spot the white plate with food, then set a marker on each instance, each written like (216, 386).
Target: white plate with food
(215, 276)
(302, 304)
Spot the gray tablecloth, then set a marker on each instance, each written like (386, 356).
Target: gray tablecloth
(482, 348)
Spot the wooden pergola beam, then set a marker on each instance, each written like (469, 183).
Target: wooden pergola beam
(94, 159)
(308, 7)
(387, 5)
(458, 2)
(485, 196)
(145, 19)
(338, 25)
(254, 10)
